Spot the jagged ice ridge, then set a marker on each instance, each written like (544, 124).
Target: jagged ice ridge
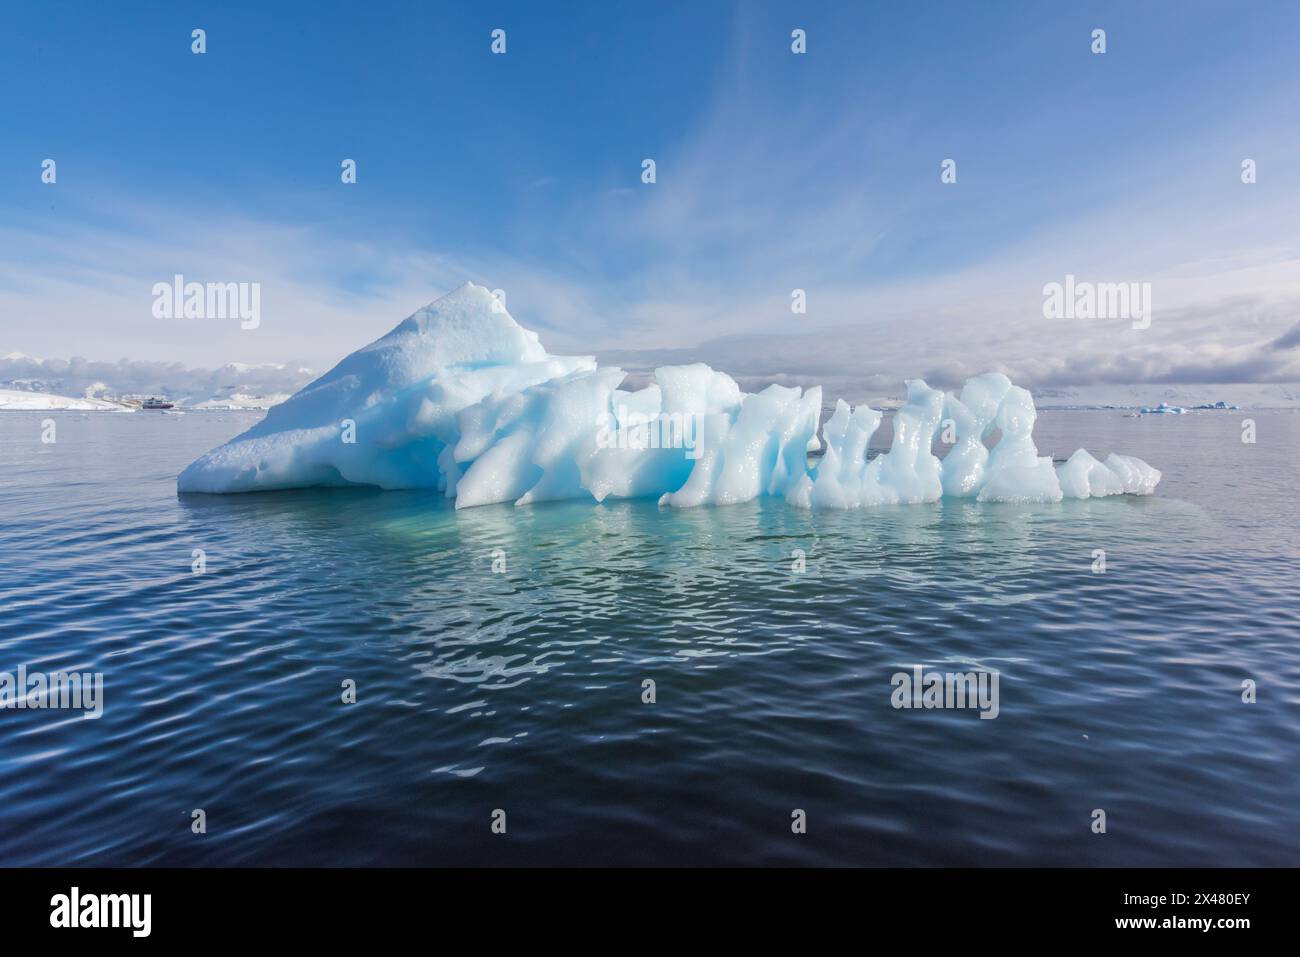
(461, 398)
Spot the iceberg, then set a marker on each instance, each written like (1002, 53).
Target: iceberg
(459, 397)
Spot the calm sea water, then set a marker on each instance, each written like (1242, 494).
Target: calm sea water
(522, 691)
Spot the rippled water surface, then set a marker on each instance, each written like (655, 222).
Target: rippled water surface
(523, 690)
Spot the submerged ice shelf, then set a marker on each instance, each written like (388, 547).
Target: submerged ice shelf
(461, 398)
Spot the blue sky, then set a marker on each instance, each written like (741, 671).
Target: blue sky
(775, 171)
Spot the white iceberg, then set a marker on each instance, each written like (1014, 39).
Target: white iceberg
(461, 398)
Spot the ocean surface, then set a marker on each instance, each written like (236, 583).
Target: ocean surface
(522, 690)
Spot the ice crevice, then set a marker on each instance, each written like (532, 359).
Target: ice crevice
(461, 398)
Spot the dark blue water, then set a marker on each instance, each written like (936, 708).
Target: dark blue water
(522, 691)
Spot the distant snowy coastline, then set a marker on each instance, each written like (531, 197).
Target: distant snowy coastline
(13, 400)
(246, 387)
(1190, 396)
(98, 385)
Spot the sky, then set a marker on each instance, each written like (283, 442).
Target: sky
(775, 171)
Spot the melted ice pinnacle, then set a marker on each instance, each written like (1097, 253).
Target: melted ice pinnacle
(461, 398)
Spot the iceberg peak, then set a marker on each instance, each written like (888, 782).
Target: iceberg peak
(467, 326)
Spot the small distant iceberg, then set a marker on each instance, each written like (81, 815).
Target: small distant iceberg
(1165, 408)
(461, 398)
